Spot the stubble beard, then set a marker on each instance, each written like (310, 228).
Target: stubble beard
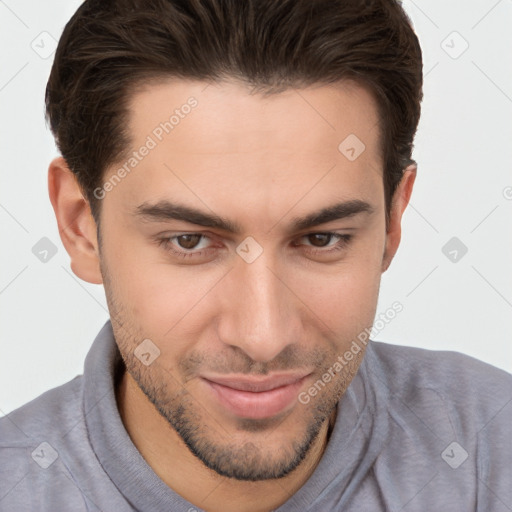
(246, 460)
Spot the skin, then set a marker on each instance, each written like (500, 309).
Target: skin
(260, 162)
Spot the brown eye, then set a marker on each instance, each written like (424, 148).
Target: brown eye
(325, 244)
(319, 239)
(189, 246)
(188, 241)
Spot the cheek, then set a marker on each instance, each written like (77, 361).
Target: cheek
(345, 298)
(138, 286)
(163, 300)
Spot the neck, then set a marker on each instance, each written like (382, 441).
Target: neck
(169, 457)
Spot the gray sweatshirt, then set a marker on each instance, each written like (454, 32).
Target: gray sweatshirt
(417, 430)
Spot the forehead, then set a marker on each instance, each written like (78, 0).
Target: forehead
(223, 146)
(228, 117)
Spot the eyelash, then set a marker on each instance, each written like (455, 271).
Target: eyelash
(166, 243)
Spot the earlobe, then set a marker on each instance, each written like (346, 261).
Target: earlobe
(77, 227)
(400, 201)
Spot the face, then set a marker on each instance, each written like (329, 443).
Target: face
(248, 249)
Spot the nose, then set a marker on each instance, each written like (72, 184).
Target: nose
(260, 314)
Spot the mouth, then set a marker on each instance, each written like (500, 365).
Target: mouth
(255, 398)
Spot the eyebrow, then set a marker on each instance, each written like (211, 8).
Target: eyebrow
(165, 210)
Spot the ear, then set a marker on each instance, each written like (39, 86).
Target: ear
(399, 203)
(77, 227)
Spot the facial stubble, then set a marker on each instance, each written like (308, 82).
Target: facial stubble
(205, 437)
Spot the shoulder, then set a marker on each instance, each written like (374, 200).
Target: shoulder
(35, 442)
(449, 372)
(449, 418)
(51, 413)
(446, 388)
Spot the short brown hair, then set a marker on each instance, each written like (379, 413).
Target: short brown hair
(109, 47)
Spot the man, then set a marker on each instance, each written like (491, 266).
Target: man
(235, 174)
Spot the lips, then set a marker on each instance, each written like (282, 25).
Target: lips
(257, 385)
(255, 397)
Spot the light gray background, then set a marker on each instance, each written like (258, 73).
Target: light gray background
(48, 317)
